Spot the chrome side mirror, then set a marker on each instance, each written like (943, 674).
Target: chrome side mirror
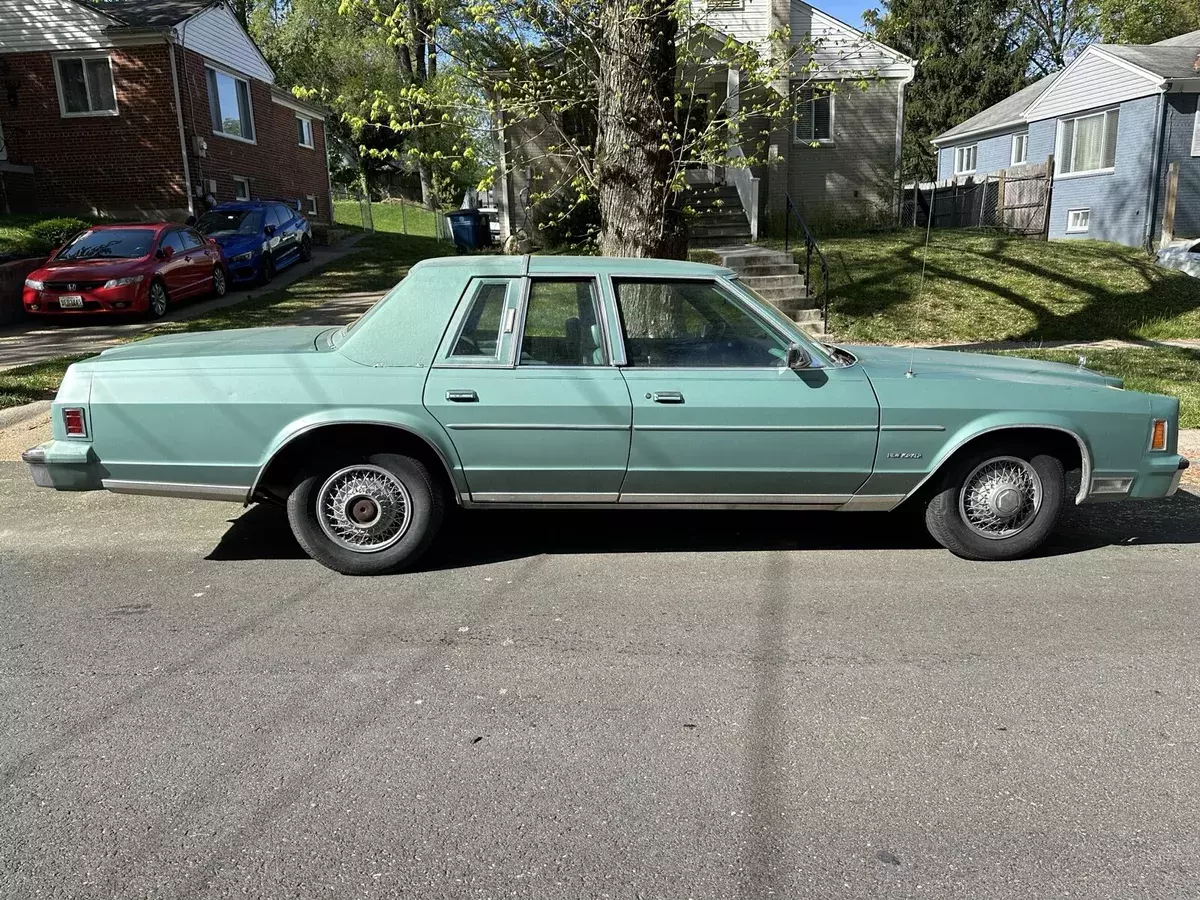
(798, 357)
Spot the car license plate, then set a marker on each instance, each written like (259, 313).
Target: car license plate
(70, 301)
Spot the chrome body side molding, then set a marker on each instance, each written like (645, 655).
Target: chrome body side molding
(224, 492)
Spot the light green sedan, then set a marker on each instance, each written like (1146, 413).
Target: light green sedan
(501, 382)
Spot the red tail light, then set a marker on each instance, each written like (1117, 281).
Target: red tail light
(74, 422)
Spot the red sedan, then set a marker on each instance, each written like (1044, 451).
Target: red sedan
(126, 269)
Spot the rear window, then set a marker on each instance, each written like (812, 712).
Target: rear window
(122, 243)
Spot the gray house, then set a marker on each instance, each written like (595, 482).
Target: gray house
(1115, 120)
(841, 155)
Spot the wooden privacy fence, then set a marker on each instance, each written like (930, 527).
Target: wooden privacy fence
(1016, 200)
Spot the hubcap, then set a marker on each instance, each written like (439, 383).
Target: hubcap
(1001, 497)
(363, 508)
(158, 299)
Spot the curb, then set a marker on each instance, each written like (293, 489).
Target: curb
(16, 415)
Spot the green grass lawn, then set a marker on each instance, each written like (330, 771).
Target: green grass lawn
(380, 261)
(991, 287)
(389, 218)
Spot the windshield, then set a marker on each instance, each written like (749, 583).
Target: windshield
(230, 221)
(791, 328)
(122, 243)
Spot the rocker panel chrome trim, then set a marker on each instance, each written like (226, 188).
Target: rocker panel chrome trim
(224, 492)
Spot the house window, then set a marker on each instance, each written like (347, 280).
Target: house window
(241, 187)
(85, 85)
(229, 103)
(305, 131)
(966, 159)
(1020, 148)
(1078, 221)
(312, 205)
(812, 116)
(1195, 136)
(1087, 144)
(726, 5)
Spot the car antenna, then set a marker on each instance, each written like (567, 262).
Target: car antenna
(921, 285)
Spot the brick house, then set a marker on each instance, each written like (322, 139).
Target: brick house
(143, 109)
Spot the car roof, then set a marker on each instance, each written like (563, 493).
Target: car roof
(248, 204)
(579, 265)
(118, 226)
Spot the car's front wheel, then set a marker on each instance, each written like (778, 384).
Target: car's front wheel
(366, 514)
(266, 273)
(156, 300)
(997, 503)
(305, 248)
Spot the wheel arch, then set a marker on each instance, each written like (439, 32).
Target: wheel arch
(289, 449)
(1067, 443)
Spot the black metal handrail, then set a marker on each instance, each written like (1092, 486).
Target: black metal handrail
(810, 246)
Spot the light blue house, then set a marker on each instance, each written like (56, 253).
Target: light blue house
(1114, 120)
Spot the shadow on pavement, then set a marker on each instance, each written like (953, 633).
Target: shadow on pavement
(479, 537)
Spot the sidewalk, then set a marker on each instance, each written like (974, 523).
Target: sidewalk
(34, 342)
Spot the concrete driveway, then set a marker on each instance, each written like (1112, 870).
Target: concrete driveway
(589, 705)
(33, 342)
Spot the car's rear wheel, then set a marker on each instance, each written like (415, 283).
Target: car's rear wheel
(996, 503)
(305, 248)
(366, 514)
(157, 300)
(219, 284)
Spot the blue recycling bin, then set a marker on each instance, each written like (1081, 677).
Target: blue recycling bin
(469, 228)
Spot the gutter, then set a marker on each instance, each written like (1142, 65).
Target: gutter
(1160, 128)
(187, 174)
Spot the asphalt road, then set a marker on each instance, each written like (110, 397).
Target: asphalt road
(595, 705)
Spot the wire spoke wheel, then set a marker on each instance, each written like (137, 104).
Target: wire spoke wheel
(364, 508)
(1000, 498)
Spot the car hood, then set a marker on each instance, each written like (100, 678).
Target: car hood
(235, 342)
(892, 362)
(87, 269)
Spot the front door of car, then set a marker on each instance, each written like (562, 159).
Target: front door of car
(175, 268)
(524, 387)
(718, 417)
(274, 219)
(199, 265)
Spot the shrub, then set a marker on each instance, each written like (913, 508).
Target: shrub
(51, 233)
(567, 223)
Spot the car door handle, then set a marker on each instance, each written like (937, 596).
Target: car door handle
(667, 397)
(462, 396)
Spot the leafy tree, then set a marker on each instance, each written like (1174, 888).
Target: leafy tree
(970, 55)
(1055, 30)
(1145, 21)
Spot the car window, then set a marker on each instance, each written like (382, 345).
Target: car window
(174, 241)
(191, 240)
(562, 325)
(689, 324)
(279, 216)
(478, 336)
(230, 221)
(109, 243)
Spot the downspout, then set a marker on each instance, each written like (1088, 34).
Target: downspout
(1160, 128)
(187, 174)
(898, 199)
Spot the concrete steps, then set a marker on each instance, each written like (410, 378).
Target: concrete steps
(719, 219)
(775, 276)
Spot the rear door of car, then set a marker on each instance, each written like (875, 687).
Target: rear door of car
(718, 418)
(525, 387)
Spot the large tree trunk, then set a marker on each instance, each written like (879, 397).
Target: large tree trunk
(634, 164)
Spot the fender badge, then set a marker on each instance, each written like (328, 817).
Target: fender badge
(904, 455)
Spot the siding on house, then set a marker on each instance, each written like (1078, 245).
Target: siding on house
(749, 23)
(275, 164)
(28, 26)
(840, 49)
(1118, 201)
(1177, 147)
(127, 166)
(859, 170)
(216, 34)
(995, 150)
(1092, 77)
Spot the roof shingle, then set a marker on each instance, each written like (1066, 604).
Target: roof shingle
(151, 13)
(1006, 112)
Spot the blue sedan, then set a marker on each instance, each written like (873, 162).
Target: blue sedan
(259, 237)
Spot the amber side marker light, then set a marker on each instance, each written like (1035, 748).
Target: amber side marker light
(74, 423)
(1158, 436)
